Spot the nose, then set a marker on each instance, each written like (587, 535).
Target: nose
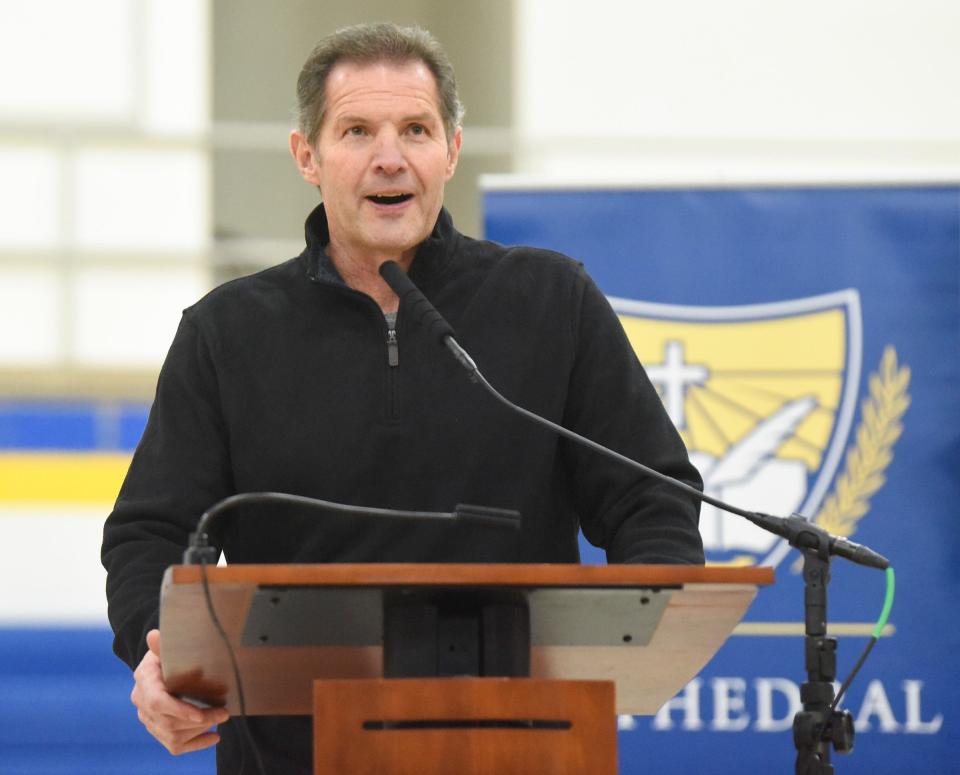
(388, 156)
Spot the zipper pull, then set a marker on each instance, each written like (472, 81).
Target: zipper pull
(393, 349)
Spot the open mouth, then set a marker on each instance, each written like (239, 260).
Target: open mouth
(389, 199)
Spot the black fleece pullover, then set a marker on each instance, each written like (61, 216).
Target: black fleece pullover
(290, 381)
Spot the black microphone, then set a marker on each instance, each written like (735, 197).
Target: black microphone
(416, 303)
(798, 531)
(425, 313)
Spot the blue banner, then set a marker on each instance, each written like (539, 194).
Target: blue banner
(806, 343)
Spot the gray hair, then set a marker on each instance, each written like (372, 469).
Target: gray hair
(370, 44)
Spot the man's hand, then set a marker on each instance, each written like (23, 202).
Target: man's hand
(178, 725)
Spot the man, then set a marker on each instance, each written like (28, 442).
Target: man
(306, 379)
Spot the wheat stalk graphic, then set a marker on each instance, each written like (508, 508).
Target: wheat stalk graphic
(866, 462)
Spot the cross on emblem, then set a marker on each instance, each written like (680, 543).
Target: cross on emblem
(674, 376)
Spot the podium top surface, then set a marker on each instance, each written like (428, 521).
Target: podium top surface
(511, 575)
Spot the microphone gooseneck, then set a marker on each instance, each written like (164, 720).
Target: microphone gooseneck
(798, 531)
(200, 550)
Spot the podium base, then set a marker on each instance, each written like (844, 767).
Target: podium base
(464, 726)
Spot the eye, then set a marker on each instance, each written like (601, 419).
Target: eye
(355, 131)
(417, 129)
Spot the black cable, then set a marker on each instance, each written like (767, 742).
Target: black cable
(242, 719)
(853, 673)
(881, 623)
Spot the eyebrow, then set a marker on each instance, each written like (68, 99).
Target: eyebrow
(421, 118)
(418, 118)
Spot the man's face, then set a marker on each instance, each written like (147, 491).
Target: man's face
(381, 159)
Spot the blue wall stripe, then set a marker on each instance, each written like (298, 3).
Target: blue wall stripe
(65, 710)
(73, 426)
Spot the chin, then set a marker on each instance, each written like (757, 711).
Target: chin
(397, 240)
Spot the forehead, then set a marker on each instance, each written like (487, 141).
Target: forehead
(380, 86)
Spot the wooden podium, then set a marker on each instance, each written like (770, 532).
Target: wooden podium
(436, 669)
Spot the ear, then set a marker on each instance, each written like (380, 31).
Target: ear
(453, 152)
(305, 157)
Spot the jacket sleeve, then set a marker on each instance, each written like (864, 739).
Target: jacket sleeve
(179, 469)
(634, 517)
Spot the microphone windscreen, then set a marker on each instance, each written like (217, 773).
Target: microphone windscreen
(416, 303)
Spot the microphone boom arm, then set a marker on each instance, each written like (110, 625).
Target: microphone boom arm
(796, 529)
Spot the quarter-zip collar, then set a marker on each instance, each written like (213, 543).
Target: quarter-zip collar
(433, 257)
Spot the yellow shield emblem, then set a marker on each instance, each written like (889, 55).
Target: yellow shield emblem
(764, 398)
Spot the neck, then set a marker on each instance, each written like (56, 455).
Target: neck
(362, 273)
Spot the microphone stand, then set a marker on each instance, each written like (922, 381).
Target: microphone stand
(819, 726)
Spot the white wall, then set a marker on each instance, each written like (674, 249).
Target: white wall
(104, 180)
(737, 88)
